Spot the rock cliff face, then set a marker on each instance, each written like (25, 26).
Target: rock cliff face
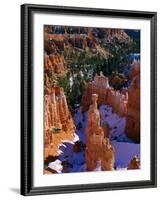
(53, 59)
(109, 34)
(98, 148)
(61, 38)
(135, 70)
(106, 95)
(55, 62)
(58, 121)
(98, 86)
(56, 42)
(133, 106)
(125, 102)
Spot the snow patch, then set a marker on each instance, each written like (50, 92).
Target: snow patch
(117, 124)
(56, 165)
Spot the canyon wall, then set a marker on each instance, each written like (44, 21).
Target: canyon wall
(60, 39)
(98, 148)
(58, 120)
(106, 95)
(55, 62)
(53, 59)
(133, 106)
(109, 34)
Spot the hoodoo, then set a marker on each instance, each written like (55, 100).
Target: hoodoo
(98, 147)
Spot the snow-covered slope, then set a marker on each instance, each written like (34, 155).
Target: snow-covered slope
(124, 152)
(116, 123)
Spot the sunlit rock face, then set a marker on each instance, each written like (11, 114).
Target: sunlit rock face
(58, 120)
(118, 100)
(73, 39)
(98, 86)
(133, 106)
(106, 95)
(98, 148)
(55, 62)
(124, 102)
(53, 59)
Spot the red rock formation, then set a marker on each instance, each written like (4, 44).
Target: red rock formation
(133, 106)
(134, 163)
(58, 121)
(50, 47)
(58, 39)
(107, 156)
(87, 43)
(117, 33)
(47, 62)
(54, 37)
(106, 95)
(98, 86)
(125, 103)
(135, 70)
(55, 62)
(88, 31)
(53, 59)
(98, 147)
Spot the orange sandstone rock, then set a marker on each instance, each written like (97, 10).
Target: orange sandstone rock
(58, 124)
(98, 148)
(106, 95)
(135, 70)
(134, 163)
(133, 107)
(55, 62)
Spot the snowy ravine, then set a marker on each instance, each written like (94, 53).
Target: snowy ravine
(125, 149)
